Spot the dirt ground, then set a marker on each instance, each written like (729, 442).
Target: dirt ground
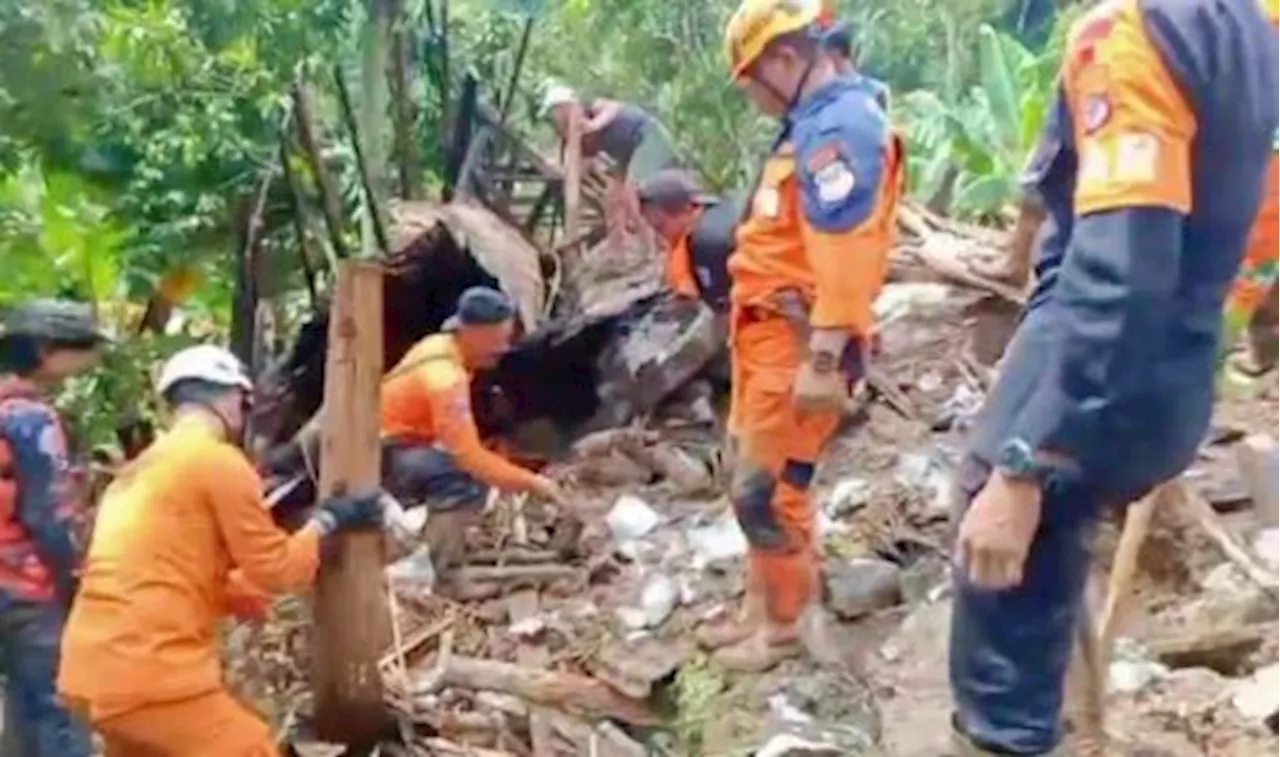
(889, 695)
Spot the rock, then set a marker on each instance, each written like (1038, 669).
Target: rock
(1258, 696)
(631, 518)
(848, 496)
(1266, 545)
(862, 586)
(1132, 676)
(1256, 458)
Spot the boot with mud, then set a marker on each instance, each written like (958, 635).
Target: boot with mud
(769, 645)
(733, 629)
(445, 537)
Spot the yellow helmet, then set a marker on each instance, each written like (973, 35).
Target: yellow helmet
(756, 23)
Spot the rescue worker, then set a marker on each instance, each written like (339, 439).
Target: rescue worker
(1256, 283)
(698, 231)
(635, 142)
(811, 254)
(182, 535)
(41, 342)
(431, 445)
(1151, 167)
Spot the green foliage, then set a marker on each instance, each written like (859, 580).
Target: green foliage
(965, 154)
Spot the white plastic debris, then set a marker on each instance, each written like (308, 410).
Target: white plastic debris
(1258, 696)
(404, 524)
(785, 744)
(926, 472)
(787, 712)
(658, 600)
(527, 628)
(722, 539)
(414, 572)
(1132, 676)
(1266, 545)
(631, 618)
(631, 518)
(847, 496)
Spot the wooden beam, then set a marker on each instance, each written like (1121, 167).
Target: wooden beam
(573, 174)
(352, 624)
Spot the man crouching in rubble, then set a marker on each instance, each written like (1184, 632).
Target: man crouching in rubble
(698, 231)
(182, 538)
(810, 257)
(432, 450)
(1151, 169)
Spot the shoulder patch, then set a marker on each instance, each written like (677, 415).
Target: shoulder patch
(833, 175)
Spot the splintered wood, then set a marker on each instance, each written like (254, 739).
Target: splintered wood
(352, 625)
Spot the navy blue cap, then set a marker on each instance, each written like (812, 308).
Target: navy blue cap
(481, 306)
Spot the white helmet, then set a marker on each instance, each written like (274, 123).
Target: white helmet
(556, 94)
(205, 362)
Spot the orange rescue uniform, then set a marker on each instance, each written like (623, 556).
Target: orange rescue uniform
(1258, 269)
(140, 653)
(426, 399)
(820, 228)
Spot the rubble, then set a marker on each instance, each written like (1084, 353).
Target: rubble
(861, 586)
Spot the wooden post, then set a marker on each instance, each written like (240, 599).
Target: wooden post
(573, 175)
(352, 625)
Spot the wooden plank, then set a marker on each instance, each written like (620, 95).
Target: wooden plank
(521, 605)
(573, 175)
(352, 624)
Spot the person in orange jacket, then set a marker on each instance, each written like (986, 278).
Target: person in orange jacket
(811, 255)
(1256, 281)
(698, 231)
(182, 534)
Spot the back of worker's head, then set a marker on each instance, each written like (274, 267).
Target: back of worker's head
(483, 324)
(557, 101)
(208, 379)
(47, 339)
(775, 47)
(670, 201)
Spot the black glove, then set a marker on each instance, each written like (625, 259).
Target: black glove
(343, 511)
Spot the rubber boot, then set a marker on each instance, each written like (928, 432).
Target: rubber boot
(732, 630)
(445, 536)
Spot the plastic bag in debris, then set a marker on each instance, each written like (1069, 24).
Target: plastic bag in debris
(414, 573)
(631, 518)
(847, 496)
(403, 524)
(928, 472)
(720, 540)
(901, 299)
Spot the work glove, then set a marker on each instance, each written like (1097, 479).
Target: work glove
(343, 511)
(823, 381)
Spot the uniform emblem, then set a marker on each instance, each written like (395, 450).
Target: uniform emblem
(1097, 111)
(1137, 157)
(832, 175)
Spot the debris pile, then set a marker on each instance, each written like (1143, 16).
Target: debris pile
(574, 635)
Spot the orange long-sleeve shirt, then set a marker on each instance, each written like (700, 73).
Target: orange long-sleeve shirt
(426, 398)
(170, 532)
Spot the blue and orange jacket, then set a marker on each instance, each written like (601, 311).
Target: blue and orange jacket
(1151, 167)
(38, 555)
(822, 219)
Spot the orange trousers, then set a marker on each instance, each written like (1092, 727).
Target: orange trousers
(210, 725)
(777, 451)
